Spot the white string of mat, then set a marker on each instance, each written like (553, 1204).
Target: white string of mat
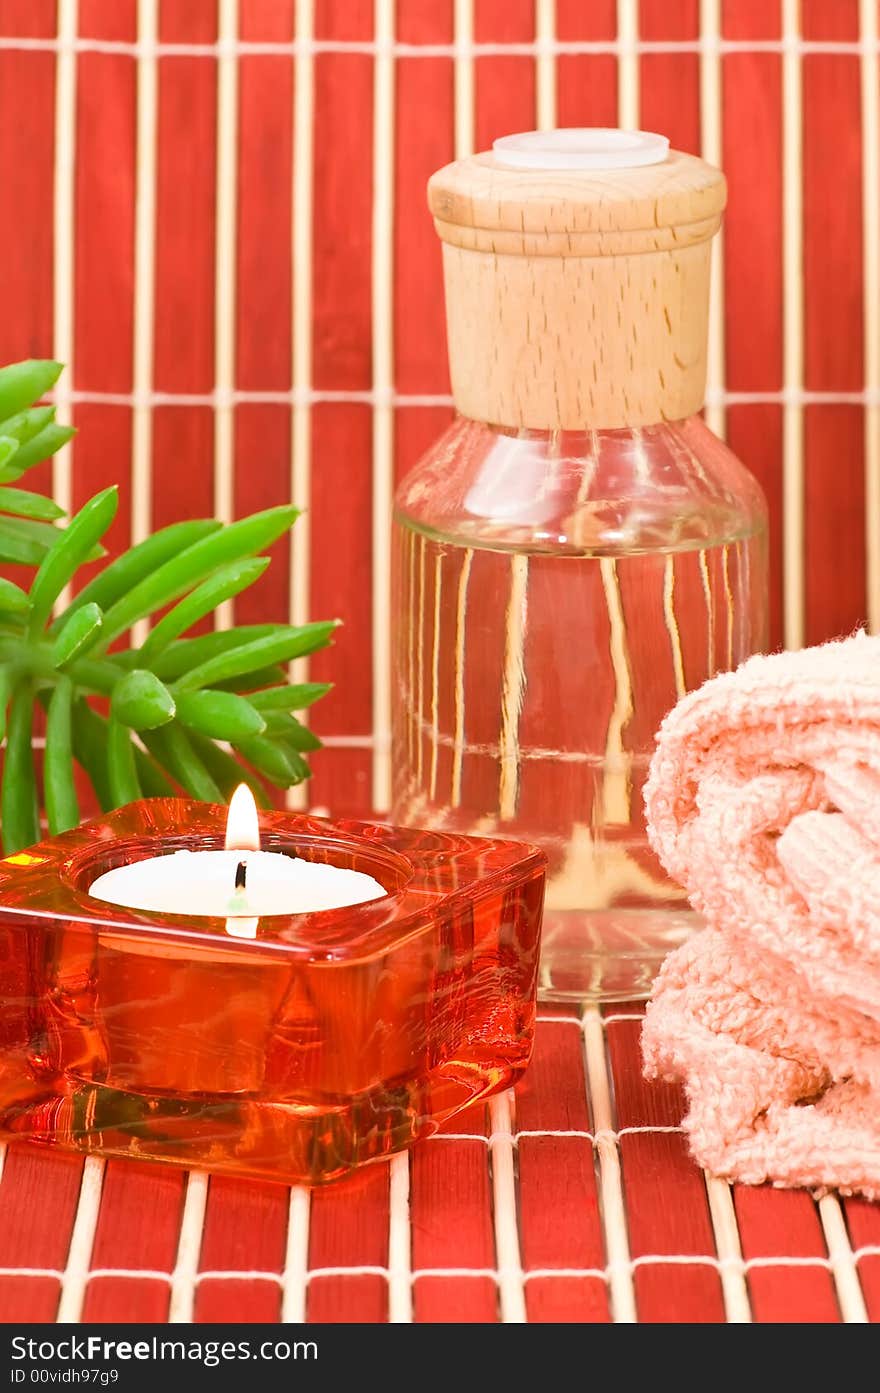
(533, 1274)
(395, 48)
(868, 397)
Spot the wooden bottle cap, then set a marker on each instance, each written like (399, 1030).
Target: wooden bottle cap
(577, 296)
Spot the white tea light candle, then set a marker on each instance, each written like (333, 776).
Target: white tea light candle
(240, 882)
(203, 883)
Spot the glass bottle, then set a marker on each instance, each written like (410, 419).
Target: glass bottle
(578, 549)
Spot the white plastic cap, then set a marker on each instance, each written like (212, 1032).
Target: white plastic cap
(581, 147)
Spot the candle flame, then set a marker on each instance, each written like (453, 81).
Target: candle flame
(242, 824)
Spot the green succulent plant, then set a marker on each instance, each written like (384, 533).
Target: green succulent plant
(174, 713)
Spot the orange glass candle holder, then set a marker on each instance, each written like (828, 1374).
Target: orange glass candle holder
(328, 1040)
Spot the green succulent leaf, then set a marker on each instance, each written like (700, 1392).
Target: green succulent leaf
(221, 715)
(43, 535)
(29, 505)
(19, 807)
(78, 631)
(297, 764)
(291, 731)
(17, 546)
(195, 564)
(250, 682)
(175, 752)
(142, 560)
(281, 646)
(99, 676)
(122, 765)
(274, 759)
(154, 783)
(8, 448)
(26, 424)
(226, 582)
(22, 383)
(69, 552)
(13, 600)
(6, 684)
(296, 697)
(59, 786)
(187, 653)
(90, 750)
(46, 442)
(141, 701)
(226, 771)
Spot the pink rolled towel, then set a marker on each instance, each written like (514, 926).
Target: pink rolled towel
(763, 801)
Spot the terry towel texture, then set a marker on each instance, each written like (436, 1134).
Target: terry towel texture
(763, 801)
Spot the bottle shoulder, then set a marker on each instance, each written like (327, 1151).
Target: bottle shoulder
(671, 486)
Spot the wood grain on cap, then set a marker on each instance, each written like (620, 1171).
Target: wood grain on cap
(577, 298)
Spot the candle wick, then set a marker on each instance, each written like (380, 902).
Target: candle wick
(241, 875)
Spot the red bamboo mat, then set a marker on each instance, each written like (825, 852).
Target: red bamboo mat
(220, 223)
(572, 1199)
